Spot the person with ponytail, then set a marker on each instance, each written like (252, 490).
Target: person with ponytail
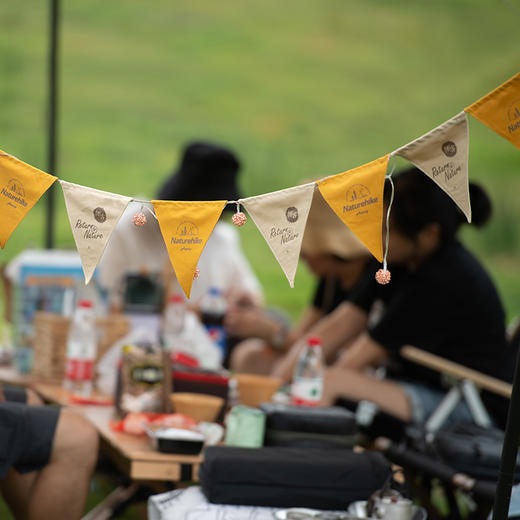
(440, 300)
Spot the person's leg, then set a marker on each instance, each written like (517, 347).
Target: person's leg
(16, 489)
(389, 396)
(33, 398)
(253, 356)
(60, 488)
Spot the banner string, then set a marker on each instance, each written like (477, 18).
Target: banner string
(387, 237)
(383, 276)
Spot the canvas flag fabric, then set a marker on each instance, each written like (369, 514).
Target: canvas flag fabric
(93, 215)
(500, 110)
(186, 227)
(356, 196)
(281, 217)
(21, 186)
(442, 154)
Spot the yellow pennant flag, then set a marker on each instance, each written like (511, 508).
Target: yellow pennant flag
(21, 186)
(186, 227)
(356, 196)
(500, 110)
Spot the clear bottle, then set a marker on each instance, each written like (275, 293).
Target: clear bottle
(213, 311)
(81, 350)
(307, 384)
(173, 322)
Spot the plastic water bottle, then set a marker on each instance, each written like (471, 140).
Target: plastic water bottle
(213, 311)
(307, 384)
(81, 350)
(173, 323)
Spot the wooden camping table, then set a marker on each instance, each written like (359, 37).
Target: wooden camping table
(132, 455)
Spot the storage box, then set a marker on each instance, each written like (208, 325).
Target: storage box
(40, 279)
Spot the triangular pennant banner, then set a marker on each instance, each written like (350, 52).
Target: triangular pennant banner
(442, 154)
(186, 227)
(500, 110)
(356, 196)
(281, 217)
(21, 186)
(93, 215)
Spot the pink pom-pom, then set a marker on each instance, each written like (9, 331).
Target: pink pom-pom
(139, 219)
(383, 276)
(239, 219)
(196, 273)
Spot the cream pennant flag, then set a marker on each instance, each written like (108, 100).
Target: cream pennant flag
(186, 227)
(500, 110)
(442, 154)
(356, 196)
(21, 186)
(281, 217)
(93, 215)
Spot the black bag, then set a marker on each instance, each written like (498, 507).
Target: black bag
(290, 477)
(319, 427)
(470, 449)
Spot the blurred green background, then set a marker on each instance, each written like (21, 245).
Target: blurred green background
(300, 89)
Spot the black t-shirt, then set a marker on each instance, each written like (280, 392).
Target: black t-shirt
(329, 294)
(449, 307)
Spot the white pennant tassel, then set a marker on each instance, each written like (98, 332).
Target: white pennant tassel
(383, 276)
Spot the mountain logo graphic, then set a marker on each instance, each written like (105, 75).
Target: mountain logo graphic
(187, 229)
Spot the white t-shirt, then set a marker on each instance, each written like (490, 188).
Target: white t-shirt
(133, 249)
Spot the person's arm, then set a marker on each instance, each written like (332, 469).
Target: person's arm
(252, 321)
(362, 353)
(337, 328)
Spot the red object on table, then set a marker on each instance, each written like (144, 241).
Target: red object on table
(97, 401)
(180, 358)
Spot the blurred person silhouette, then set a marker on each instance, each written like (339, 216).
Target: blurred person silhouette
(335, 257)
(440, 300)
(207, 171)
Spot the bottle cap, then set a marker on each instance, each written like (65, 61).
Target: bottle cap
(313, 341)
(85, 303)
(214, 291)
(176, 298)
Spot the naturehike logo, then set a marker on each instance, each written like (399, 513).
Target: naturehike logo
(449, 148)
(15, 192)
(100, 215)
(449, 170)
(286, 234)
(358, 199)
(513, 116)
(91, 231)
(291, 214)
(186, 234)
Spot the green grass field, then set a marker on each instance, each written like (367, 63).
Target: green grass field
(300, 89)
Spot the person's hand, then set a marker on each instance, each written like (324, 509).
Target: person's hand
(237, 299)
(250, 322)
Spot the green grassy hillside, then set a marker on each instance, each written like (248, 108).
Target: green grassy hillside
(300, 90)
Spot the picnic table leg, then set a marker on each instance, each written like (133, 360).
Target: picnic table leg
(120, 495)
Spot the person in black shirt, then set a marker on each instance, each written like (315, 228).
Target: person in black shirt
(335, 256)
(440, 299)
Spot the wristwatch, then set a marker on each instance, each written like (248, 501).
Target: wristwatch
(279, 338)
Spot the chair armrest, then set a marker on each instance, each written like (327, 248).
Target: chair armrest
(421, 357)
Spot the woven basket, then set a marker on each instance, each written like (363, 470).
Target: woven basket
(50, 341)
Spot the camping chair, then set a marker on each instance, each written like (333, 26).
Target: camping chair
(465, 385)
